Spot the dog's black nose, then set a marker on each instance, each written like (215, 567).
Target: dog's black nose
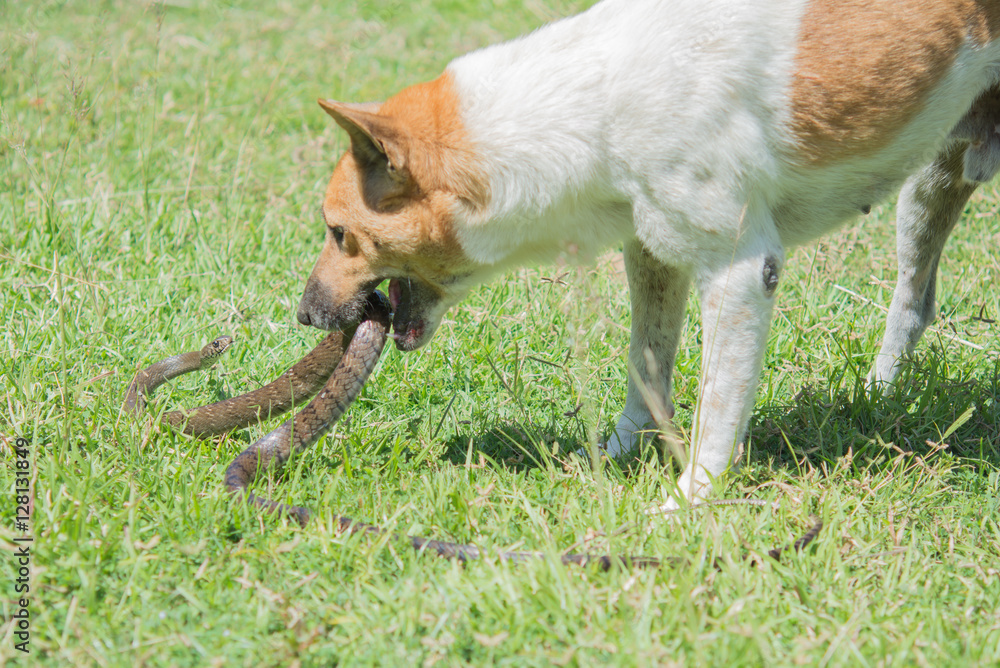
(303, 316)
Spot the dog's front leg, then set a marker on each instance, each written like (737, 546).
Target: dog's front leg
(658, 293)
(736, 305)
(929, 206)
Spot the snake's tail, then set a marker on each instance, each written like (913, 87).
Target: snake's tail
(605, 562)
(466, 553)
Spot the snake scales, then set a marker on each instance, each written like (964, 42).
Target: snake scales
(335, 371)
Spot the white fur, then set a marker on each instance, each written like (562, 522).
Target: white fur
(602, 125)
(664, 126)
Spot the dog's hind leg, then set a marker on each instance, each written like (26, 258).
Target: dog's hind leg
(659, 293)
(737, 299)
(929, 206)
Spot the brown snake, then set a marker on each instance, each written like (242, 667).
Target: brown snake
(337, 369)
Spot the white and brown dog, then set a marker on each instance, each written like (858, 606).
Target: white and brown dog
(707, 136)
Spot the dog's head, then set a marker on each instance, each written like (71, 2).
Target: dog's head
(389, 212)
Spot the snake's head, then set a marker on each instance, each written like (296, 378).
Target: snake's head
(390, 214)
(216, 347)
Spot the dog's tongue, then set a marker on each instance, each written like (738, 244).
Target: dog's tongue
(395, 293)
(408, 323)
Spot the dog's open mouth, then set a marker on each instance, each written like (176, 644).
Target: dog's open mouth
(412, 303)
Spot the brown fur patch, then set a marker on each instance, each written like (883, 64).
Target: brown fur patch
(865, 67)
(440, 156)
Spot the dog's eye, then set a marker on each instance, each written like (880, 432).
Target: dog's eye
(338, 234)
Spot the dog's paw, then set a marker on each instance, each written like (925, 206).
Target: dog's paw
(620, 443)
(690, 489)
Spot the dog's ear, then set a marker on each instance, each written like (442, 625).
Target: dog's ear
(376, 141)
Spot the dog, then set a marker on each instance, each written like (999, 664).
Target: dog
(705, 136)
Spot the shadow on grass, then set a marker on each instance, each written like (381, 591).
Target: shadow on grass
(515, 446)
(930, 405)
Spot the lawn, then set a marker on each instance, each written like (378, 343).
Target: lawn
(162, 166)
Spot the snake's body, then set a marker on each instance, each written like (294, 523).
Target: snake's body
(336, 369)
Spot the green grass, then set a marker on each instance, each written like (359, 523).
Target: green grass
(161, 169)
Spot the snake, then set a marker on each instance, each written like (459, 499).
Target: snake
(334, 373)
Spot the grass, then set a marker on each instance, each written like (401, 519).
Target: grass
(162, 165)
